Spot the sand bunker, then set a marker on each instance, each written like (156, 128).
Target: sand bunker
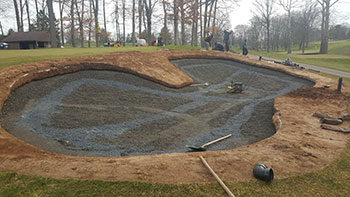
(108, 113)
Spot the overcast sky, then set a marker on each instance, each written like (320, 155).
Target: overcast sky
(238, 14)
(244, 12)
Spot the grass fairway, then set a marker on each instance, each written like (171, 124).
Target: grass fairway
(333, 180)
(338, 56)
(14, 57)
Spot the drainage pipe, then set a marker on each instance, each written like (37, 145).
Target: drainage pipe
(262, 172)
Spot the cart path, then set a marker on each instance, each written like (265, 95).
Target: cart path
(313, 68)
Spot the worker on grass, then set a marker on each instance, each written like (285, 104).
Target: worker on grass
(227, 40)
(244, 47)
(218, 47)
(207, 41)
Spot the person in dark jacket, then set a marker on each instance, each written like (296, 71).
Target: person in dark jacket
(207, 41)
(219, 47)
(227, 39)
(244, 47)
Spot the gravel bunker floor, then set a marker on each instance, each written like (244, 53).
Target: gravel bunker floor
(108, 113)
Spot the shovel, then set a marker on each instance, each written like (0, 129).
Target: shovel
(203, 147)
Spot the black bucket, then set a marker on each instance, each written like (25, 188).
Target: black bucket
(262, 172)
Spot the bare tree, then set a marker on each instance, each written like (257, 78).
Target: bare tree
(123, 1)
(183, 21)
(133, 22)
(104, 15)
(28, 14)
(90, 23)
(2, 30)
(61, 4)
(21, 7)
(194, 17)
(52, 24)
(80, 14)
(19, 24)
(288, 5)
(325, 5)
(176, 21)
(72, 23)
(200, 20)
(116, 18)
(264, 9)
(140, 8)
(97, 26)
(309, 14)
(36, 9)
(149, 6)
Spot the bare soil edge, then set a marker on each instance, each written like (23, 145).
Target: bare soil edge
(298, 146)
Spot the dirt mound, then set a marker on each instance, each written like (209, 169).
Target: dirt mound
(318, 93)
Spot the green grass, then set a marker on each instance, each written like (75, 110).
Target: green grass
(338, 56)
(333, 180)
(14, 57)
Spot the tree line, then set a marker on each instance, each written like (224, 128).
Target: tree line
(181, 22)
(297, 23)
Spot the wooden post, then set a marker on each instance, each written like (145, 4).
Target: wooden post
(217, 177)
(340, 82)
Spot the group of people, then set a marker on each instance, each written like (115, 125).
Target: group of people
(159, 42)
(220, 47)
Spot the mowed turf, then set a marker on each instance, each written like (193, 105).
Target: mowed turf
(14, 57)
(338, 56)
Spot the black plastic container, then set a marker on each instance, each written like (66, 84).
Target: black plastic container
(262, 172)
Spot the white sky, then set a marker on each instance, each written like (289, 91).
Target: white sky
(243, 13)
(238, 14)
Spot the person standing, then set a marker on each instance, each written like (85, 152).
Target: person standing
(227, 40)
(207, 41)
(244, 47)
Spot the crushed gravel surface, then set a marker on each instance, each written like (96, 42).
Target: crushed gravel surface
(109, 113)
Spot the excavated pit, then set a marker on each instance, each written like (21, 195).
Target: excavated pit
(109, 113)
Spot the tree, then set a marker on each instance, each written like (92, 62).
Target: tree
(52, 24)
(140, 7)
(104, 15)
(176, 21)
(309, 14)
(61, 4)
(133, 22)
(2, 30)
(10, 31)
(325, 6)
(264, 9)
(90, 23)
(37, 9)
(165, 31)
(97, 26)
(72, 23)
(28, 16)
(19, 24)
(149, 6)
(116, 18)
(81, 21)
(288, 5)
(43, 22)
(124, 9)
